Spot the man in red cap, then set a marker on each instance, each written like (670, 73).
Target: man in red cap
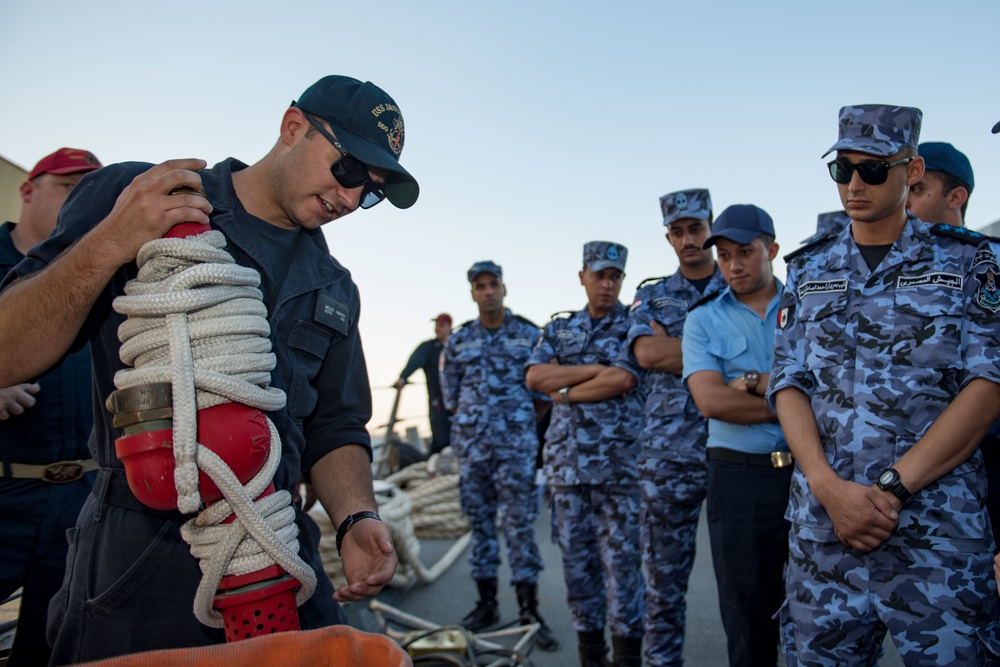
(426, 357)
(46, 470)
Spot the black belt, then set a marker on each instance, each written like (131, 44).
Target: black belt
(772, 460)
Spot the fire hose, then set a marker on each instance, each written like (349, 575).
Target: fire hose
(196, 438)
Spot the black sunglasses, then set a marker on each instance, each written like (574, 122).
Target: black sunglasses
(872, 172)
(349, 171)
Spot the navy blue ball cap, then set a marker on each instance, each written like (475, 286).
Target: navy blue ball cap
(740, 223)
(369, 124)
(941, 156)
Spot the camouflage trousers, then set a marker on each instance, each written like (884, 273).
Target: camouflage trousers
(597, 530)
(940, 607)
(672, 495)
(508, 487)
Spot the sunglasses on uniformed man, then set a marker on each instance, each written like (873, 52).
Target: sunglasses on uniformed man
(349, 171)
(872, 172)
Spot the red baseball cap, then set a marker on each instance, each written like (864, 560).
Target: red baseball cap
(443, 317)
(66, 161)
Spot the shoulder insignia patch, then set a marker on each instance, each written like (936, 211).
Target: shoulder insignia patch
(705, 299)
(526, 320)
(651, 280)
(963, 234)
(809, 245)
(988, 296)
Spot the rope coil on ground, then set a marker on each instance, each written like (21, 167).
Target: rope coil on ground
(197, 320)
(415, 504)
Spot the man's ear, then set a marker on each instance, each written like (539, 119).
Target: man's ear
(957, 197)
(915, 170)
(27, 189)
(293, 124)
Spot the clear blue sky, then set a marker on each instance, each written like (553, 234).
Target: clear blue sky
(532, 127)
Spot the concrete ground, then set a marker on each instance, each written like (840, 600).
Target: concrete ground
(446, 600)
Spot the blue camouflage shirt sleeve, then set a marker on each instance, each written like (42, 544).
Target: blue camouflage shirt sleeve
(982, 339)
(544, 350)
(789, 368)
(450, 374)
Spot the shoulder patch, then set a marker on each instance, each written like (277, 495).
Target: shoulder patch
(463, 325)
(561, 314)
(963, 234)
(809, 245)
(651, 280)
(526, 321)
(705, 299)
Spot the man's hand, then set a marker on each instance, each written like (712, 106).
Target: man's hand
(862, 517)
(658, 329)
(145, 210)
(399, 384)
(15, 400)
(369, 560)
(739, 384)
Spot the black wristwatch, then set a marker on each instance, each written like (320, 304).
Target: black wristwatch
(350, 521)
(751, 378)
(888, 480)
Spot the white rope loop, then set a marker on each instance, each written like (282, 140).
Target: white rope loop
(197, 320)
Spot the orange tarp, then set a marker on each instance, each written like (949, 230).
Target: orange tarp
(335, 646)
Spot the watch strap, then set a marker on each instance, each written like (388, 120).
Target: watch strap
(350, 521)
(896, 488)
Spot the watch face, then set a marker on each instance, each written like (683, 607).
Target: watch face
(886, 477)
(751, 376)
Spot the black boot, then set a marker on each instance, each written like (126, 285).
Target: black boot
(527, 601)
(628, 651)
(593, 650)
(485, 614)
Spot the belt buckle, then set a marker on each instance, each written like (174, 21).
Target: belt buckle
(62, 472)
(781, 459)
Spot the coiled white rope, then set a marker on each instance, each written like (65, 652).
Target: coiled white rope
(197, 320)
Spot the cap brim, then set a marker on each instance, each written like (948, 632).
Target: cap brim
(861, 147)
(602, 264)
(401, 188)
(699, 214)
(72, 170)
(741, 236)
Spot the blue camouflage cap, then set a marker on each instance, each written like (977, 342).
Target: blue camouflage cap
(877, 129)
(600, 255)
(485, 266)
(695, 203)
(941, 156)
(740, 223)
(829, 223)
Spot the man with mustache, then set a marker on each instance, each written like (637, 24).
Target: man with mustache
(672, 469)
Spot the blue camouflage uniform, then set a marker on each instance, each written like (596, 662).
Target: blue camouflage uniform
(591, 465)
(493, 436)
(672, 473)
(881, 354)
